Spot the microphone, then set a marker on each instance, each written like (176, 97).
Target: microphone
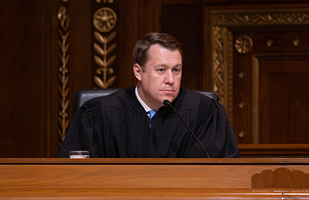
(168, 104)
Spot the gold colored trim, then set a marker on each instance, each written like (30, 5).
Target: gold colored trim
(242, 134)
(104, 63)
(229, 77)
(63, 120)
(242, 105)
(270, 43)
(243, 44)
(296, 42)
(104, 20)
(242, 75)
(221, 46)
(63, 17)
(105, 1)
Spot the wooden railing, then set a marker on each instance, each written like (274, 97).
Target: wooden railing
(152, 178)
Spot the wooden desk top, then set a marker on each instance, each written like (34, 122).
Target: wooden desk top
(183, 161)
(139, 178)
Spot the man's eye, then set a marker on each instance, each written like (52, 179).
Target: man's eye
(176, 70)
(160, 70)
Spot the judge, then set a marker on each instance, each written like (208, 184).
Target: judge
(119, 125)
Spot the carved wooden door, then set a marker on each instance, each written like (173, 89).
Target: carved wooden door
(261, 71)
(271, 86)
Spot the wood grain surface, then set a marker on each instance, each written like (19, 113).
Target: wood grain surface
(144, 178)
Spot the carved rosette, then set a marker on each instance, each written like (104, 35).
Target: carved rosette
(64, 23)
(222, 43)
(104, 21)
(243, 44)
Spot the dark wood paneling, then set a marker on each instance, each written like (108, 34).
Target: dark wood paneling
(242, 93)
(30, 65)
(136, 19)
(286, 99)
(80, 46)
(24, 87)
(128, 36)
(185, 22)
(51, 61)
(29, 79)
(282, 85)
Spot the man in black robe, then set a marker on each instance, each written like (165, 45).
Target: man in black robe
(118, 125)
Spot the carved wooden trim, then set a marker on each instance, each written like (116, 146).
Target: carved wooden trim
(104, 21)
(221, 42)
(280, 178)
(64, 23)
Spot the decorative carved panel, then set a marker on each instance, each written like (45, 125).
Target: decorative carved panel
(104, 22)
(228, 38)
(64, 23)
(280, 178)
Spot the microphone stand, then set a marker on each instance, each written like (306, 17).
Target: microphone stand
(168, 103)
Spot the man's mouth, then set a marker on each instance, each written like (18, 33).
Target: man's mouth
(168, 91)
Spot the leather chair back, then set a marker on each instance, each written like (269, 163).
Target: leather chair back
(81, 96)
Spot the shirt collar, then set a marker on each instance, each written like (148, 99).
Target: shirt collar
(147, 109)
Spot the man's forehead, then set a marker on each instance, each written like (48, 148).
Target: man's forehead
(158, 50)
(155, 47)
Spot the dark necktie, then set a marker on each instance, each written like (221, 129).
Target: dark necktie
(151, 114)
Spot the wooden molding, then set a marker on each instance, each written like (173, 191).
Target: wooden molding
(280, 178)
(273, 150)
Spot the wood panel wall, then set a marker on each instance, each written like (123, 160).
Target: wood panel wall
(25, 77)
(48, 53)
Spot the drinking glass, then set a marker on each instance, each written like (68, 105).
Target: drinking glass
(79, 154)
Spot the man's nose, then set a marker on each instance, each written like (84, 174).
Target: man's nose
(169, 78)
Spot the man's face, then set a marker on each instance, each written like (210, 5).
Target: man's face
(161, 77)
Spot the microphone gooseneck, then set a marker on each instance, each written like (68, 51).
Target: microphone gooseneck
(168, 103)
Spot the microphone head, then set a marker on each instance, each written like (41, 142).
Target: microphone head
(166, 102)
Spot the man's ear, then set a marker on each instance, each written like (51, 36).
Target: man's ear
(137, 70)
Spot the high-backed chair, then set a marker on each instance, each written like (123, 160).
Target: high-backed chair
(81, 96)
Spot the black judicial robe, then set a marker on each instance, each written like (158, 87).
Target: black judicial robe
(117, 126)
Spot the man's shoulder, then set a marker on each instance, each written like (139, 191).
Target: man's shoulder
(116, 98)
(119, 98)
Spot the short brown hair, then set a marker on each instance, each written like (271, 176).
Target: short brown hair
(140, 55)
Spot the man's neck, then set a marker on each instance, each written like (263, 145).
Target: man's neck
(145, 106)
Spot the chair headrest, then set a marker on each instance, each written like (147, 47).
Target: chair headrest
(81, 96)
